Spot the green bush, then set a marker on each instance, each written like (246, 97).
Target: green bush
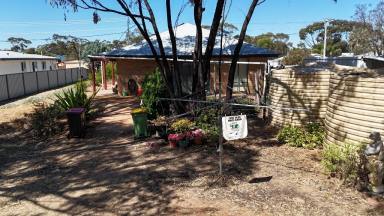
(207, 121)
(45, 120)
(345, 161)
(153, 89)
(309, 137)
(182, 125)
(75, 97)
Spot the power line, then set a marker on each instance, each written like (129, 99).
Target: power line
(95, 35)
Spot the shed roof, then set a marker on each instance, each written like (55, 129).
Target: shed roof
(11, 55)
(185, 39)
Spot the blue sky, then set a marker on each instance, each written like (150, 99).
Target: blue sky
(37, 20)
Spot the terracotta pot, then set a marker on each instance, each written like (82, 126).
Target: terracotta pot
(197, 140)
(172, 143)
(139, 91)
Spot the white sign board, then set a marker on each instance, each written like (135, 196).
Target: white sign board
(235, 127)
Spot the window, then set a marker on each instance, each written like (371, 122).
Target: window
(23, 66)
(240, 83)
(43, 65)
(34, 66)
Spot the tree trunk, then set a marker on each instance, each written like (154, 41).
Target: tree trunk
(176, 69)
(236, 53)
(198, 78)
(212, 39)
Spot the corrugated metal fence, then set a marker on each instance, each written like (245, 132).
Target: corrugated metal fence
(302, 88)
(350, 104)
(355, 108)
(21, 84)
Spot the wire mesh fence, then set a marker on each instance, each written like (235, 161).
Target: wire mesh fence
(21, 84)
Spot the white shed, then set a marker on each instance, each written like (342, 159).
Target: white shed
(15, 62)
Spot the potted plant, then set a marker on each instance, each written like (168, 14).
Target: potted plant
(197, 136)
(160, 125)
(140, 122)
(183, 127)
(174, 139)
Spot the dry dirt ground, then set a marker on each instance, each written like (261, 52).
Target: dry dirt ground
(110, 173)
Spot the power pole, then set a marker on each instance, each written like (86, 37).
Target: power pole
(326, 23)
(325, 39)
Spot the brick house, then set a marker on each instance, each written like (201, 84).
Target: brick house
(135, 61)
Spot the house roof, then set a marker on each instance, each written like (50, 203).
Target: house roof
(11, 55)
(185, 39)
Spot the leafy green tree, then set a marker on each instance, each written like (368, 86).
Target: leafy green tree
(337, 36)
(278, 42)
(19, 44)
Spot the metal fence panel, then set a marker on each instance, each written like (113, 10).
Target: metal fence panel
(85, 73)
(52, 78)
(42, 79)
(15, 85)
(3, 88)
(30, 82)
(61, 77)
(74, 74)
(68, 76)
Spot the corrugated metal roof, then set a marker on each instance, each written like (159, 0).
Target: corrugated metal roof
(11, 55)
(185, 39)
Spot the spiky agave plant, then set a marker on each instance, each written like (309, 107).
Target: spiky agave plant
(75, 97)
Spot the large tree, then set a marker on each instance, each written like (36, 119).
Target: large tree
(18, 44)
(63, 45)
(369, 35)
(278, 42)
(337, 36)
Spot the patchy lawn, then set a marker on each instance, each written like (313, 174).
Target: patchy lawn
(109, 173)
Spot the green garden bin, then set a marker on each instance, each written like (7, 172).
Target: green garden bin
(140, 123)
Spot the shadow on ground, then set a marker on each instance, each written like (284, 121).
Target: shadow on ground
(108, 172)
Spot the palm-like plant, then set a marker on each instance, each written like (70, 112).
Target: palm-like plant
(75, 98)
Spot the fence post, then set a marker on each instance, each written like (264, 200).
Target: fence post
(49, 86)
(71, 75)
(65, 76)
(57, 78)
(37, 81)
(22, 76)
(7, 85)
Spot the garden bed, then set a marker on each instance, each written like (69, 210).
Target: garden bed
(110, 173)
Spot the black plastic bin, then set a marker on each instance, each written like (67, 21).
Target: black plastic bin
(76, 122)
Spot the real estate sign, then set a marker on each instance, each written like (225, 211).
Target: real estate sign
(235, 127)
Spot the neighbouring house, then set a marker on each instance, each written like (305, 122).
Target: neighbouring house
(73, 64)
(135, 61)
(374, 62)
(15, 62)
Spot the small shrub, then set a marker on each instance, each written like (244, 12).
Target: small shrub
(344, 161)
(75, 97)
(309, 137)
(207, 121)
(45, 120)
(182, 125)
(153, 89)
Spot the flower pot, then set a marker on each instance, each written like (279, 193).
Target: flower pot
(197, 140)
(183, 143)
(197, 136)
(172, 143)
(174, 139)
(139, 91)
(161, 130)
